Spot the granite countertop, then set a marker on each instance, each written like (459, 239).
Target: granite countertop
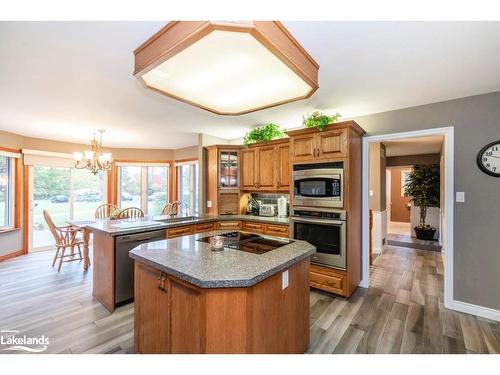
(150, 223)
(193, 261)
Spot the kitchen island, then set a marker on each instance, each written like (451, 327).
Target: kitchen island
(190, 299)
(113, 270)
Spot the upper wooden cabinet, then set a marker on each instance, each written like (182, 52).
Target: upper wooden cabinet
(266, 167)
(311, 144)
(228, 168)
(303, 147)
(222, 175)
(266, 160)
(331, 144)
(249, 168)
(283, 167)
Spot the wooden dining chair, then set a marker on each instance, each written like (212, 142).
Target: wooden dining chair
(130, 213)
(104, 210)
(65, 238)
(171, 208)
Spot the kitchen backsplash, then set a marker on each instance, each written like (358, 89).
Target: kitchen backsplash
(272, 198)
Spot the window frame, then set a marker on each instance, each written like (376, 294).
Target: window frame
(14, 188)
(194, 183)
(143, 180)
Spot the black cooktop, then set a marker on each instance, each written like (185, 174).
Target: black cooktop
(249, 242)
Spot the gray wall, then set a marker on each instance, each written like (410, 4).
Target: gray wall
(477, 221)
(377, 164)
(408, 160)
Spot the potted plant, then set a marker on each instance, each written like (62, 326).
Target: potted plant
(319, 120)
(263, 133)
(422, 186)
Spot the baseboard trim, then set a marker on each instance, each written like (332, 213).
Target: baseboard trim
(11, 255)
(469, 308)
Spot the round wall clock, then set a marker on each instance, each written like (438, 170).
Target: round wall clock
(488, 159)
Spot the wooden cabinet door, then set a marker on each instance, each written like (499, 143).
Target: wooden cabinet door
(303, 147)
(228, 203)
(188, 318)
(283, 167)
(265, 173)
(249, 168)
(332, 143)
(152, 310)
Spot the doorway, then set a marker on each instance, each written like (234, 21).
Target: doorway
(66, 193)
(446, 201)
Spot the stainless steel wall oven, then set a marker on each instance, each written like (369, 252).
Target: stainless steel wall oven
(326, 230)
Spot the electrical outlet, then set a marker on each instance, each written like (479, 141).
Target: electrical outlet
(371, 193)
(209, 204)
(460, 196)
(284, 278)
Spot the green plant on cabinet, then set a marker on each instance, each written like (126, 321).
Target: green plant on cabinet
(319, 120)
(263, 133)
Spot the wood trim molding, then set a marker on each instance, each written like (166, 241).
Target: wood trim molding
(11, 255)
(173, 184)
(12, 150)
(186, 160)
(18, 187)
(26, 203)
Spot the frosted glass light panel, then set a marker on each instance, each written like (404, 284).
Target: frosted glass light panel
(228, 73)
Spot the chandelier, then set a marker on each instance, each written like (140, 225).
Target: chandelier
(94, 160)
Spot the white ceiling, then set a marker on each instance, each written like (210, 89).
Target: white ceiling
(62, 80)
(414, 146)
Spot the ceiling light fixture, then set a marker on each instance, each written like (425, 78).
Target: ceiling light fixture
(94, 160)
(228, 68)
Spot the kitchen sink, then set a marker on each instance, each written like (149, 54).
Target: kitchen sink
(177, 219)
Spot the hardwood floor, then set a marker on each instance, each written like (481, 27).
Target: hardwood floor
(401, 312)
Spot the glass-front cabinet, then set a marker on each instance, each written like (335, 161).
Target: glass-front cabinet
(228, 169)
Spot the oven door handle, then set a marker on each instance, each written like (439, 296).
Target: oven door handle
(319, 221)
(303, 177)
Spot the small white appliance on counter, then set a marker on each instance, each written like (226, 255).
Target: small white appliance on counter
(282, 206)
(266, 210)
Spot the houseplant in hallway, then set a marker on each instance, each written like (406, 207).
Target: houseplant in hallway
(422, 186)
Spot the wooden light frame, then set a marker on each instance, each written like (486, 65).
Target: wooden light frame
(179, 35)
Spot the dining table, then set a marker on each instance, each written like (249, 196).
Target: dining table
(82, 225)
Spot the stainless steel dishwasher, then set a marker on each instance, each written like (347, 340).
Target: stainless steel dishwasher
(124, 265)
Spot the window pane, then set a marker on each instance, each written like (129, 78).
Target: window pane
(157, 189)
(88, 193)
(130, 187)
(188, 188)
(51, 192)
(5, 191)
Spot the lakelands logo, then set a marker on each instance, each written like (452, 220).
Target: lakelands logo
(15, 342)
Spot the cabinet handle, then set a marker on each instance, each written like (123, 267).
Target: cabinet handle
(314, 153)
(161, 286)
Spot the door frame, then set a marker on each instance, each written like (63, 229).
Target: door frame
(447, 204)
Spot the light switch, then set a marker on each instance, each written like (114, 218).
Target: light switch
(371, 193)
(284, 278)
(460, 196)
(209, 204)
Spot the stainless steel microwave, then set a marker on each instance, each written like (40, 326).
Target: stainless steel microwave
(318, 185)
